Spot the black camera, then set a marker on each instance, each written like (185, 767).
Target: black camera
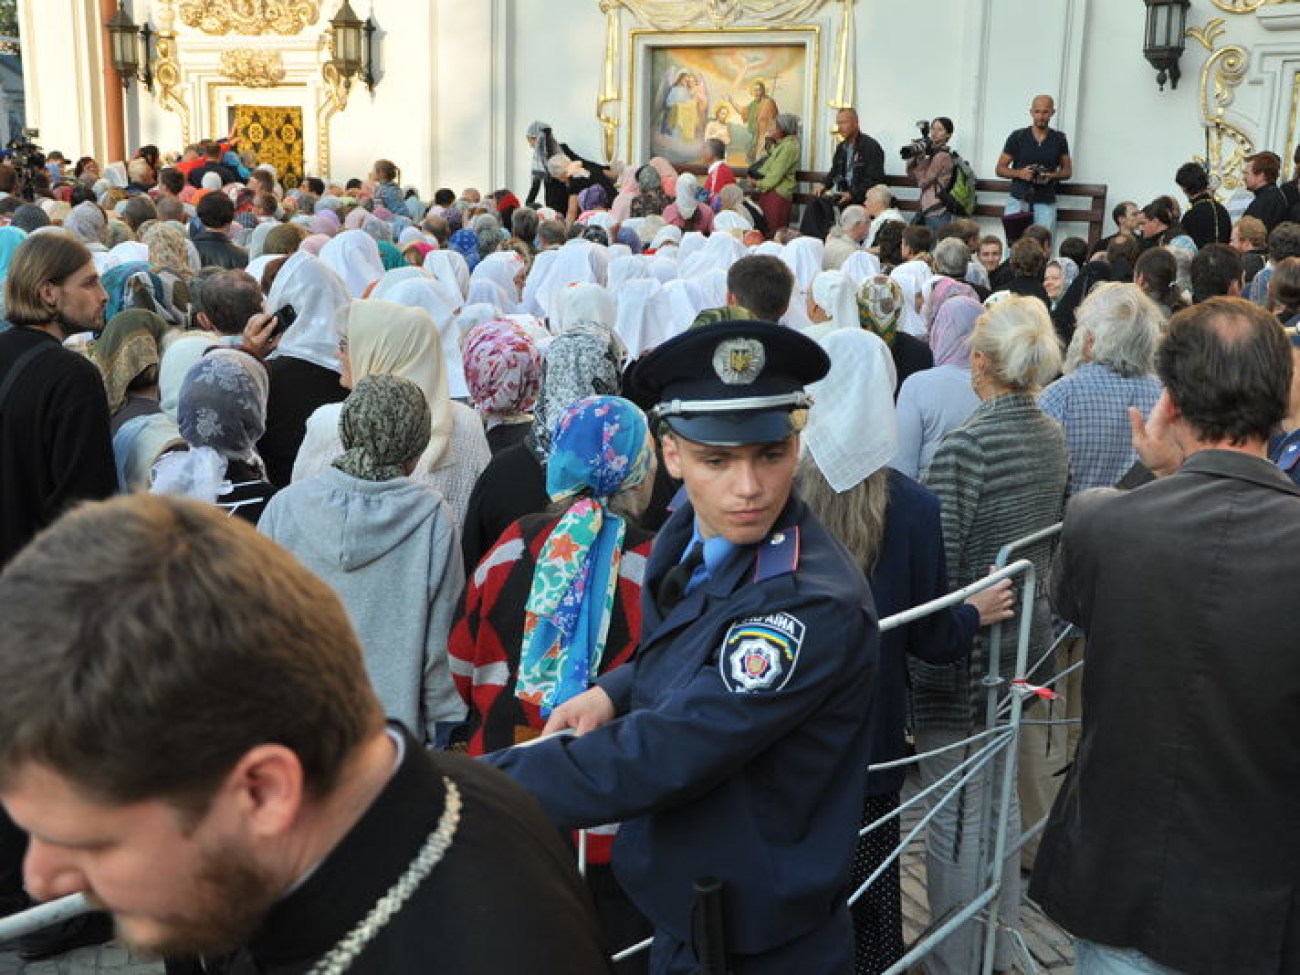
(27, 158)
(919, 147)
(1039, 173)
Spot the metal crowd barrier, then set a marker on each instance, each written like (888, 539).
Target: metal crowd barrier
(1004, 719)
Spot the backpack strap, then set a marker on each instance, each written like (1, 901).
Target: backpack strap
(20, 364)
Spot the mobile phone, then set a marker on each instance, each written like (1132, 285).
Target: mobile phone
(285, 316)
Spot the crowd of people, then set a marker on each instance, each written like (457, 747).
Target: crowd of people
(636, 463)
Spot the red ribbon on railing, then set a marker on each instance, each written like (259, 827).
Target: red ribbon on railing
(1026, 689)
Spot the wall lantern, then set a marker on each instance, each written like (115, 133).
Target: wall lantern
(1166, 24)
(353, 46)
(124, 37)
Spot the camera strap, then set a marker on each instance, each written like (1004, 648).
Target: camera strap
(20, 365)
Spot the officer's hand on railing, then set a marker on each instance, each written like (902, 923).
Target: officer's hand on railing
(996, 603)
(586, 712)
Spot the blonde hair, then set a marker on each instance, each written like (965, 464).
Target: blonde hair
(856, 516)
(1017, 338)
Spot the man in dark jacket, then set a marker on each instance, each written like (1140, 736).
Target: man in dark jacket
(1173, 841)
(212, 164)
(858, 165)
(215, 212)
(212, 765)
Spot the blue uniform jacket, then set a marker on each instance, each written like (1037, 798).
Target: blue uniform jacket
(740, 750)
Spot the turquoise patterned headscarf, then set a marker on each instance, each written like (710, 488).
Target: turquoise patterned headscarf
(600, 447)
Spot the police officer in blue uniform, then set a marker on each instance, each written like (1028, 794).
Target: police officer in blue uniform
(735, 745)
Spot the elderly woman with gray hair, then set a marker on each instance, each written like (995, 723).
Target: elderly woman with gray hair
(1000, 476)
(387, 545)
(773, 176)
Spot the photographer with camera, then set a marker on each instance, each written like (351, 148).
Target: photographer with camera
(929, 162)
(858, 164)
(1035, 159)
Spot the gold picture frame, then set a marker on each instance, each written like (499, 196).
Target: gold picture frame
(688, 85)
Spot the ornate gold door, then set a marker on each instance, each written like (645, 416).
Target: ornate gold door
(274, 132)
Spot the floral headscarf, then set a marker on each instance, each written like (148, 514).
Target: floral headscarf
(167, 248)
(503, 367)
(880, 303)
(585, 360)
(223, 404)
(384, 426)
(130, 344)
(465, 243)
(601, 446)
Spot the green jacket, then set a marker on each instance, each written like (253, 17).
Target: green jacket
(779, 169)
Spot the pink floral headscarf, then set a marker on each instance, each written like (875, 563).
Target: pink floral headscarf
(503, 367)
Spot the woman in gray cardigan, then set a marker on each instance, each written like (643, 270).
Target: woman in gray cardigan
(387, 545)
(1000, 476)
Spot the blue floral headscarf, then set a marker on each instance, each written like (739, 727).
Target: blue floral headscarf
(465, 243)
(601, 446)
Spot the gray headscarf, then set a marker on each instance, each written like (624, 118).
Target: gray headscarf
(788, 123)
(384, 426)
(87, 223)
(29, 217)
(222, 404)
(540, 131)
(585, 360)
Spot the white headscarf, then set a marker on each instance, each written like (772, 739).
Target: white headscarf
(575, 263)
(501, 267)
(543, 264)
(485, 292)
(852, 429)
(428, 294)
(257, 265)
(914, 278)
(624, 269)
(719, 252)
(257, 239)
(645, 317)
(860, 266)
(686, 299)
(687, 201)
(664, 269)
(178, 355)
(354, 256)
(836, 295)
(691, 244)
(731, 222)
(316, 293)
(803, 256)
(450, 268)
(666, 236)
(585, 303)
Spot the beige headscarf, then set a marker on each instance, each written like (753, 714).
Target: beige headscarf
(393, 340)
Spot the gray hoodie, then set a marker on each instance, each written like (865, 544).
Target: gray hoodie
(389, 549)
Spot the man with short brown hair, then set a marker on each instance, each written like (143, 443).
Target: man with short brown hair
(189, 735)
(1260, 175)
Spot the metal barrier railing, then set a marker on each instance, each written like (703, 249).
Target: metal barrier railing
(1004, 719)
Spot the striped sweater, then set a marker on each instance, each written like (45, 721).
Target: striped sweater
(1000, 476)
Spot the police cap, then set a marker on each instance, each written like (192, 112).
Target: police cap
(730, 384)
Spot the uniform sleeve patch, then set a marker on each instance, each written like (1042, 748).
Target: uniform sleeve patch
(759, 653)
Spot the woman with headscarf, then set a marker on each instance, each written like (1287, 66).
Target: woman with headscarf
(544, 145)
(221, 414)
(731, 200)
(354, 256)
(773, 176)
(558, 603)
(465, 243)
(169, 257)
(387, 545)
(383, 338)
(87, 223)
(506, 269)
(432, 295)
(934, 401)
(1058, 275)
(652, 198)
(588, 304)
(1000, 476)
(503, 366)
(880, 306)
(891, 525)
(304, 368)
(686, 211)
(585, 360)
(128, 353)
(645, 315)
(832, 305)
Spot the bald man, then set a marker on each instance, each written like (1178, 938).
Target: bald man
(1035, 159)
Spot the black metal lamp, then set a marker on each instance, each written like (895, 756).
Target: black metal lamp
(124, 37)
(353, 46)
(1166, 25)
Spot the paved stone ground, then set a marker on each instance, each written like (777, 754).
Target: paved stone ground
(1048, 946)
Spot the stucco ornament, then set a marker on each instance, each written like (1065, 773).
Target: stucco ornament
(251, 18)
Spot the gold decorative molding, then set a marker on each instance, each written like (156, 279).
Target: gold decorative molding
(845, 83)
(167, 72)
(249, 17)
(1224, 70)
(337, 90)
(609, 93)
(253, 69)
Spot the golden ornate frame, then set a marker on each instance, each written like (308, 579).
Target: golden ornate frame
(1222, 72)
(250, 18)
(808, 34)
